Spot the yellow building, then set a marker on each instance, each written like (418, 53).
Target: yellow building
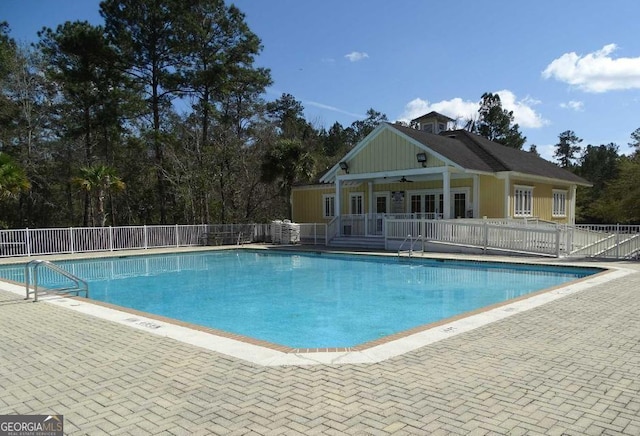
(429, 172)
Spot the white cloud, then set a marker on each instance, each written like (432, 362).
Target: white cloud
(463, 110)
(523, 112)
(455, 108)
(356, 56)
(546, 151)
(597, 71)
(575, 105)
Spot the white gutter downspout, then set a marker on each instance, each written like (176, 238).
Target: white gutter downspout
(507, 198)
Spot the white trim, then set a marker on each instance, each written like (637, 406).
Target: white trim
(319, 187)
(393, 173)
(437, 192)
(562, 212)
(467, 194)
(533, 178)
(476, 196)
(572, 216)
(507, 197)
(332, 174)
(338, 197)
(386, 195)
(526, 201)
(446, 193)
(422, 193)
(353, 195)
(324, 205)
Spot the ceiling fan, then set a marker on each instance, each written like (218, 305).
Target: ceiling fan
(404, 179)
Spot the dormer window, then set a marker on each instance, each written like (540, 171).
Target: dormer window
(427, 127)
(433, 122)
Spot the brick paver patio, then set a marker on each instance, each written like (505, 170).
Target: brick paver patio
(569, 367)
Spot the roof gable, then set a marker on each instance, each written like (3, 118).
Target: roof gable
(434, 115)
(456, 148)
(387, 148)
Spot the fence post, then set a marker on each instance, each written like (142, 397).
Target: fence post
(144, 229)
(110, 238)
(177, 237)
(618, 241)
(71, 240)
(485, 237)
(28, 241)
(557, 241)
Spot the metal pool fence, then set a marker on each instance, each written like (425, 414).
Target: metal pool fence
(31, 242)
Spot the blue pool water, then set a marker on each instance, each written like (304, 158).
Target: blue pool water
(305, 300)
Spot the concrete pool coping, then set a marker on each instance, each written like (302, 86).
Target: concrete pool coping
(264, 354)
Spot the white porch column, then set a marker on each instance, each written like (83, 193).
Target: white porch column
(371, 199)
(476, 196)
(507, 198)
(446, 194)
(572, 205)
(336, 205)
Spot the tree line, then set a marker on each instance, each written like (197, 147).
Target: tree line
(159, 116)
(615, 194)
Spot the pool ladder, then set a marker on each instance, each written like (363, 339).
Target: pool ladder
(412, 243)
(31, 269)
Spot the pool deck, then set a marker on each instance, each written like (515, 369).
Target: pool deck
(570, 366)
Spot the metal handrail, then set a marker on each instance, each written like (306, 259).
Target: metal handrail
(410, 239)
(81, 285)
(414, 243)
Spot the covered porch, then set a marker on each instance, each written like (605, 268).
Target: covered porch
(364, 202)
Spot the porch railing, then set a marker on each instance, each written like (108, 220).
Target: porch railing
(481, 234)
(373, 224)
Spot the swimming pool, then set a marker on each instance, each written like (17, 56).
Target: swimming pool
(306, 300)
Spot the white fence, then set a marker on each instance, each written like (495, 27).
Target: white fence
(479, 234)
(610, 241)
(598, 241)
(31, 242)
(313, 233)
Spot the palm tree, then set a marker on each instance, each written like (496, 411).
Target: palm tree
(12, 178)
(287, 163)
(99, 180)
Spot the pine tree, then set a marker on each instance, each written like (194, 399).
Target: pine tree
(496, 123)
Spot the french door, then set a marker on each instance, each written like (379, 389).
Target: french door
(430, 205)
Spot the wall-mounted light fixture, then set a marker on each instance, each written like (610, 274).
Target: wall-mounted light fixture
(345, 167)
(422, 159)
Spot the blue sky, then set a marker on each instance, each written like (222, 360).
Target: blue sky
(559, 65)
